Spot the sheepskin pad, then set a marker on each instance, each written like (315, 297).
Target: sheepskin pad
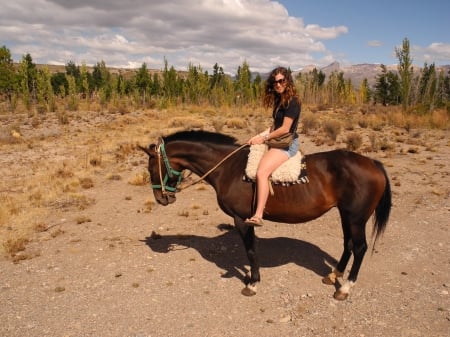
(288, 173)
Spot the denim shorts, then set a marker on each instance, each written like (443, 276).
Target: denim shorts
(293, 149)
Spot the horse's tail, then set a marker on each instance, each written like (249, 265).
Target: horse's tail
(383, 209)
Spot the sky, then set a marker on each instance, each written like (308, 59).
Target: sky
(263, 33)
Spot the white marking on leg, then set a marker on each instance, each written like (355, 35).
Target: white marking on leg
(249, 290)
(345, 289)
(342, 293)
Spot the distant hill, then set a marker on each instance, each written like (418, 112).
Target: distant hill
(358, 72)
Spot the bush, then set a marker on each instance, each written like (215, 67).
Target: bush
(354, 141)
(332, 129)
(309, 122)
(236, 123)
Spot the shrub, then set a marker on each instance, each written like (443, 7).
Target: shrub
(439, 119)
(309, 122)
(332, 129)
(354, 141)
(236, 123)
(218, 124)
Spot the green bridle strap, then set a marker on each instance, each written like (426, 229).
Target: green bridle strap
(170, 172)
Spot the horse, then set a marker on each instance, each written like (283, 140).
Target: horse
(357, 185)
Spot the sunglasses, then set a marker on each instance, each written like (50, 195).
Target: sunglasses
(280, 81)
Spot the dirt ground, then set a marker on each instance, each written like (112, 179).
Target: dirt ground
(133, 270)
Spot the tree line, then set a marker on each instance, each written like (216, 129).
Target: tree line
(420, 90)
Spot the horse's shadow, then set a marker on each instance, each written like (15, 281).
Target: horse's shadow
(228, 253)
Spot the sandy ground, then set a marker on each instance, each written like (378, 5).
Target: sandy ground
(178, 270)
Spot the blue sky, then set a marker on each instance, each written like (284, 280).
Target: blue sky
(262, 33)
(375, 28)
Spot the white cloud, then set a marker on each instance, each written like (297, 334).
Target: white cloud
(325, 33)
(434, 53)
(374, 43)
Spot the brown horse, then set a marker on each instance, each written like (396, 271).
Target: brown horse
(358, 186)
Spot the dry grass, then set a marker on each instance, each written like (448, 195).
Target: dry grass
(236, 123)
(187, 123)
(140, 179)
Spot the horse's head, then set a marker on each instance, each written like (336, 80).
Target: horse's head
(164, 179)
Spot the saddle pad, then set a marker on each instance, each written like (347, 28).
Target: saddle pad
(288, 172)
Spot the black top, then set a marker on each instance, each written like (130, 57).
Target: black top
(292, 110)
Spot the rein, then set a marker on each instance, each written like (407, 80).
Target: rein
(161, 151)
(211, 170)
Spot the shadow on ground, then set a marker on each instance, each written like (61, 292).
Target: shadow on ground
(227, 252)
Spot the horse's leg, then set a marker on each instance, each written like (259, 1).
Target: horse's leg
(359, 249)
(248, 236)
(354, 242)
(339, 270)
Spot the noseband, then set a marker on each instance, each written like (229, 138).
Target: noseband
(170, 172)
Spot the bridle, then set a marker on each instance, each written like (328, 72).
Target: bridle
(170, 172)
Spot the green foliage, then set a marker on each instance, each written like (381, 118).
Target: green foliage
(429, 90)
(405, 70)
(7, 77)
(73, 96)
(23, 78)
(387, 87)
(45, 94)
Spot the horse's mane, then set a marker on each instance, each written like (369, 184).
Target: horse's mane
(201, 136)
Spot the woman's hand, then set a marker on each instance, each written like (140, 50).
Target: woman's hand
(255, 140)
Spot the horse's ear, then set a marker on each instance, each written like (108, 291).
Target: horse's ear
(145, 149)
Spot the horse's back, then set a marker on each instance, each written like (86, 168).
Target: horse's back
(351, 178)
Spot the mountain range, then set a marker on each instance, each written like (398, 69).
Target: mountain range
(358, 72)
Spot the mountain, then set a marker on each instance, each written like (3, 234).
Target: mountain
(358, 72)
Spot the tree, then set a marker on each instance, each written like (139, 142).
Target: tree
(143, 81)
(382, 87)
(84, 81)
(405, 70)
(364, 93)
(73, 96)
(171, 84)
(73, 70)
(428, 86)
(23, 78)
(59, 83)
(31, 74)
(7, 73)
(387, 87)
(44, 91)
(243, 83)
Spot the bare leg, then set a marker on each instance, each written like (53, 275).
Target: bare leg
(271, 160)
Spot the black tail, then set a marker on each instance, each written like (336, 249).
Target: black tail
(383, 209)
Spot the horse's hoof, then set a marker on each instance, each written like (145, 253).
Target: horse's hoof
(249, 290)
(327, 280)
(340, 296)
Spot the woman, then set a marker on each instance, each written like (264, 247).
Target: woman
(280, 94)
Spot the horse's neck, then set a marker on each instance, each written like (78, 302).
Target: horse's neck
(198, 157)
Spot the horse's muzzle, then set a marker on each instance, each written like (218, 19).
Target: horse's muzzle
(164, 198)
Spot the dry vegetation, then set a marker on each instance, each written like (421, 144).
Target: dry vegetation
(48, 163)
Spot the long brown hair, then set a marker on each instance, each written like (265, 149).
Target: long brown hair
(270, 97)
